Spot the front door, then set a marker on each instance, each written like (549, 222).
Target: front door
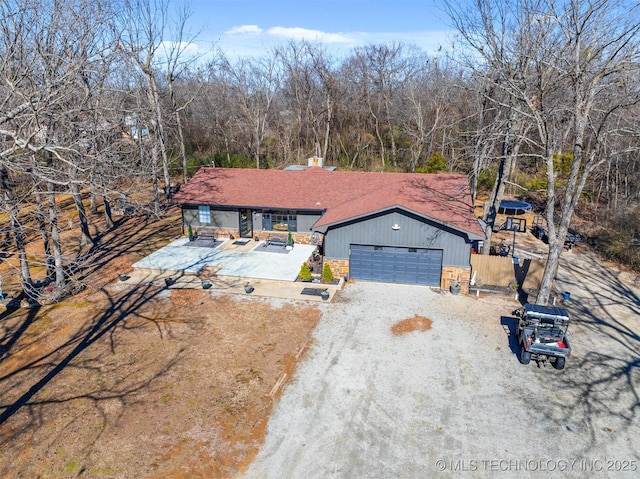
(246, 225)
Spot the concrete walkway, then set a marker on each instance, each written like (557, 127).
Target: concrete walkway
(267, 288)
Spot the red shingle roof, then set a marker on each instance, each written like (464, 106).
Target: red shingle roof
(342, 195)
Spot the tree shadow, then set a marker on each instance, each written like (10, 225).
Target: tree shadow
(120, 308)
(130, 235)
(13, 333)
(603, 373)
(520, 271)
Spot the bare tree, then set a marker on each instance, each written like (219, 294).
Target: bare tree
(55, 57)
(426, 107)
(12, 204)
(142, 25)
(253, 85)
(558, 61)
(179, 59)
(310, 92)
(380, 70)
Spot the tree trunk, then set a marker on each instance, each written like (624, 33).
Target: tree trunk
(494, 205)
(16, 227)
(479, 147)
(394, 155)
(93, 204)
(108, 219)
(380, 140)
(154, 179)
(46, 237)
(181, 145)
(183, 150)
(507, 161)
(158, 123)
(82, 215)
(327, 131)
(55, 238)
(257, 145)
(550, 271)
(18, 235)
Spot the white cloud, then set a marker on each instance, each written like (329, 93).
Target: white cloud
(188, 52)
(185, 48)
(252, 40)
(245, 29)
(298, 33)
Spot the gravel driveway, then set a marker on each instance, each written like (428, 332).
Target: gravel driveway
(453, 401)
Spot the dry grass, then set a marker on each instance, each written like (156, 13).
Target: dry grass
(417, 323)
(124, 381)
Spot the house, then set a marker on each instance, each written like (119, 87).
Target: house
(389, 227)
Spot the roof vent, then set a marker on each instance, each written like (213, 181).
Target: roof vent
(316, 161)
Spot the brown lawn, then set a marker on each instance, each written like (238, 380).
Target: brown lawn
(124, 381)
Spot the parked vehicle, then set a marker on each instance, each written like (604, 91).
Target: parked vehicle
(539, 232)
(570, 240)
(542, 334)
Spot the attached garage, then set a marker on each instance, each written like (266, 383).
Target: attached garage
(392, 264)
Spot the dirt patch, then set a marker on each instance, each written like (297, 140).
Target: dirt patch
(142, 381)
(417, 323)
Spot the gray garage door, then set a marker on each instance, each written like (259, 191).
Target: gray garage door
(391, 264)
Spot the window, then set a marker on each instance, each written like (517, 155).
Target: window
(204, 215)
(279, 220)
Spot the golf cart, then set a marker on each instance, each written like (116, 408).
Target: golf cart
(542, 334)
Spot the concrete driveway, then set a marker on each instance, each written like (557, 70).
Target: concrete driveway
(453, 401)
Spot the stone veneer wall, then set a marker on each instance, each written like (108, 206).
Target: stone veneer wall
(453, 273)
(225, 233)
(299, 238)
(339, 267)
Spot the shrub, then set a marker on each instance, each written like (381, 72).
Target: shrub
(562, 164)
(305, 272)
(618, 240)
(233, 160)
(535, 183)
(486, 179)
(327, 274)
(436, 163)
(614, 245)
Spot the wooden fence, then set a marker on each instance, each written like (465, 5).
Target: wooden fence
(500, 271)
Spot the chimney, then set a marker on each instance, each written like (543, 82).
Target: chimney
(315, 161)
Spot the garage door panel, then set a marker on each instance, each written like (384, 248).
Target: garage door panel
(396, 264)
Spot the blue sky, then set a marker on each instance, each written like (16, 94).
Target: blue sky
(251, 27)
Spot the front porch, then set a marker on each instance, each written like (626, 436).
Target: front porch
(226, 266)
(234, 258)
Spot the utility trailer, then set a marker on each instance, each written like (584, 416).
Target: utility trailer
(542, 334)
